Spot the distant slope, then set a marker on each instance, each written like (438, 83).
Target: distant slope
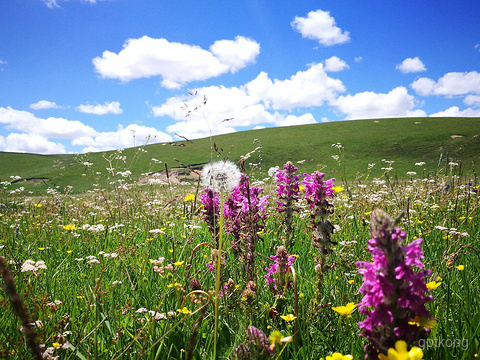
(405, 141)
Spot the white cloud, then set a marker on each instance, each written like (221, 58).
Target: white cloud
(236, 54)
(52, 4)
(252, 104)
(124, 137)
(450, 84)
(472, 100)
(31, 143)
(454, 111)
(176, 63)
(335, 64)
(306, 88)
(2, 62)
(44, 104)
(358, 59)
(369, 105)
(411, 65)
(319, 25)
(107, 108)
(292, 120)
(51, 127)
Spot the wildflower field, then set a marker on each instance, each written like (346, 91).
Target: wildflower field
(236, 265)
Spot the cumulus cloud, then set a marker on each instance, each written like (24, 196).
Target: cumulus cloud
(358, 59)
(2, 62)
(124, 137)
(44, 104)
(335, 64)
(51, 127)
(411, 65)
(472, 100)
(176, 63)
(255, 103)
(365, 105)
(31, 143)
(320, 25)
(107, 108)
(292, 120)
(454, 111)
(450, 84)
(311, 87)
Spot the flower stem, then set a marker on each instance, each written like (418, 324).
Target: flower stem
(217, 276)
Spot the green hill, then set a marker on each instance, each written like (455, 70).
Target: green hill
(435, 141)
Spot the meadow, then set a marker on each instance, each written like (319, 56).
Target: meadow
(267, 268)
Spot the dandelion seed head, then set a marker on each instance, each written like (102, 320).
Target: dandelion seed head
(220, 175)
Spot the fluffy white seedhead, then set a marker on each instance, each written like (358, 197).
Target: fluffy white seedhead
(221, 175)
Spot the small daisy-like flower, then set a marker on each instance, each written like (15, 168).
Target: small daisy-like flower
(221, 175)
(401, 352)
(345, 310)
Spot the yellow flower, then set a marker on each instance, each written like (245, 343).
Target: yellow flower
(69, 251)
(338, 189)
(301, 188)
(351, 281)
(178, 263)
(288, 318)
(41, 249)
(69, 227)
(189, 197)
(339, 356)
(345, 310)
(460, 267)
(184, 311)
(433, 285)
(276, 337)
(38, 206)
(401, 353)
(427, 324)
(56, 345)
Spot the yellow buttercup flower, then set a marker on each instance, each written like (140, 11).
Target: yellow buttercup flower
(460, 267)
(401, 352)
(345, 310)
(69, 227)
(289, 317)
(56, 345)
(184, 310)
(338, 189)
(339, 356)
(433, 285)
(427, 324)
(189, 197)
(178, 263)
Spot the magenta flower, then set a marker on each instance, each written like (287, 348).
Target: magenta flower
(288, 189)
(277, 270)
(394, 294)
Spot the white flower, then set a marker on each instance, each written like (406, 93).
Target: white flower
(420, 163)
(411, 173)
(272, 172)
(221, 175)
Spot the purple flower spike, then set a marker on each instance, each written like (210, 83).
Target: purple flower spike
(394, 294)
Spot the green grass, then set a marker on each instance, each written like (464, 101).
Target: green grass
(97, 318)
(405, 141)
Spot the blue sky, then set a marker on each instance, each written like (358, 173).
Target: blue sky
(93, 75)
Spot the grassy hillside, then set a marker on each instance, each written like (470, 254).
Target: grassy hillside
(405, 141)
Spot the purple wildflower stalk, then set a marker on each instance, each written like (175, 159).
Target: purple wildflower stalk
(317, 191)
(255, 347)
(288, 193)
(211, 213)
(277, 270)
(394, 294)
(245, 213)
